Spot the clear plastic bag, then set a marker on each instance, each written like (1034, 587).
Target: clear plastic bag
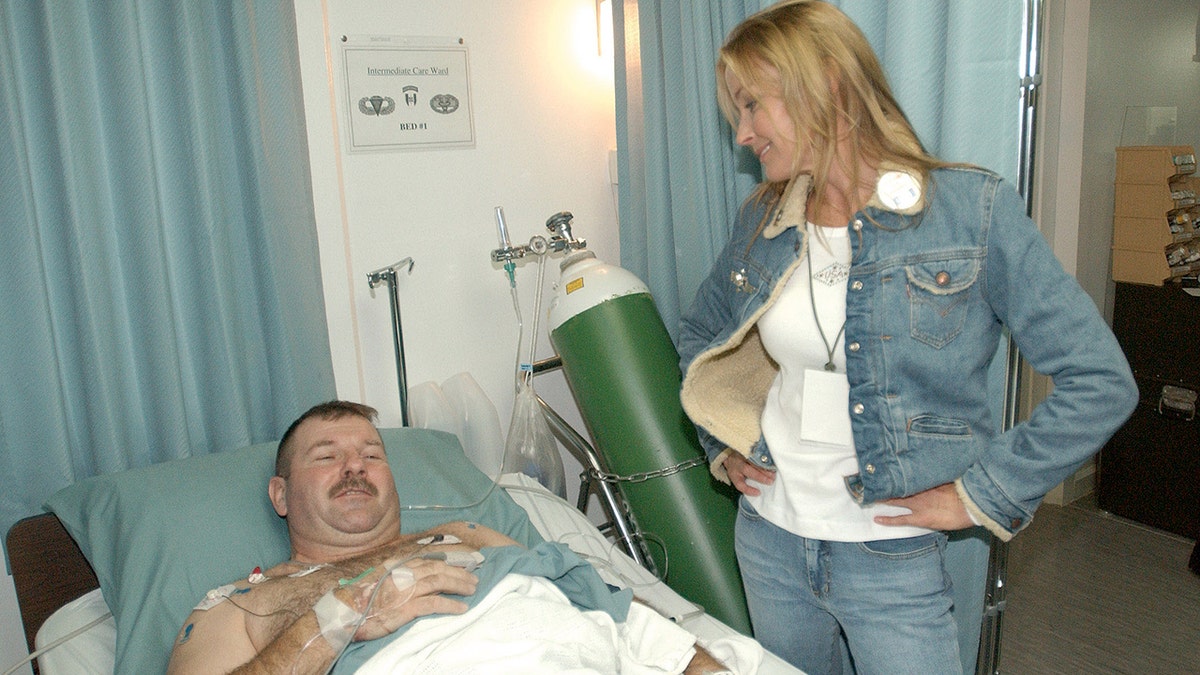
(481, 436)
(531, 448)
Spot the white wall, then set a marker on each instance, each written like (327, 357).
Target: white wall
(1058, 173)
(1139, 54)
(12, 635)
(1059, 153)
(544, 124)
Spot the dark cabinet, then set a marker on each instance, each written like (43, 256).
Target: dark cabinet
(1150, 470)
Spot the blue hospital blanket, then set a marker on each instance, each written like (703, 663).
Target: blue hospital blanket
(577, 579)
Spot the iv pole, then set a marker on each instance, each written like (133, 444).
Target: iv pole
(388, 275)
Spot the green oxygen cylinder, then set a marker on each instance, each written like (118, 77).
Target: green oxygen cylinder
(623, 371)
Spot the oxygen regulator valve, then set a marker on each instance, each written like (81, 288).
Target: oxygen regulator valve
(561, 239)
(559, 225)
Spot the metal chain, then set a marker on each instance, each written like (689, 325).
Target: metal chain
(645, 475)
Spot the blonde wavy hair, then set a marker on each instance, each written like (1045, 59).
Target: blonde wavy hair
(826, 72)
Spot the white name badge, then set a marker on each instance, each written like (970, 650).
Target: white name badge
(898, 190)
(824, 417)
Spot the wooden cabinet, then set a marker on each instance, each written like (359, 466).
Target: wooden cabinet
(1156, 219)
(1150, 470)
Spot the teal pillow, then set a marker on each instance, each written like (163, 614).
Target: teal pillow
(160, 537)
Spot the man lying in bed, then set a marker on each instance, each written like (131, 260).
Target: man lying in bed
(349, 559)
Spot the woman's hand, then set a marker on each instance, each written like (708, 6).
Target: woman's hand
(741, 471)
(938, 508)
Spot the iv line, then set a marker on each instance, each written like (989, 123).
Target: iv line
(523, 373)
(69, 636)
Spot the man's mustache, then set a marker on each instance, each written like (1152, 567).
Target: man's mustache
(354, 483)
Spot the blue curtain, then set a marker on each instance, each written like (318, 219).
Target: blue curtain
(160, 292)
(680, 176)
(952, 63)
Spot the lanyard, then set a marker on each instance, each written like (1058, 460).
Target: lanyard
(813, 300)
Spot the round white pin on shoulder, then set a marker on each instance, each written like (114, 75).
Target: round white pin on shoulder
(898, 190)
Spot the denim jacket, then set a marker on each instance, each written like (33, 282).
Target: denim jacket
(930, 291)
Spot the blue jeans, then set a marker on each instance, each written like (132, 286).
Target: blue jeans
(890, 600)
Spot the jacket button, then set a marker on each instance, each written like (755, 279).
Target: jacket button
(856, 286)
(858, 408)
(858, 225)
(1016, 522)
(942, 278)
(870, 468)
(854, 346)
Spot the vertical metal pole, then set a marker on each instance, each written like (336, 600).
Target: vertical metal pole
(398, 343)
(987, 660)
(388, 275)
(995, 599)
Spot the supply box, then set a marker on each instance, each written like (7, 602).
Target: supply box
(1156, 217)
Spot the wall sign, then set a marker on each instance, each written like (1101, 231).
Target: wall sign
(405, 93)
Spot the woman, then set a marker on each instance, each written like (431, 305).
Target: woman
(835, 358)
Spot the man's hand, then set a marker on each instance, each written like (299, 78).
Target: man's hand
(741, 470)
(937, 508)
(395, 606)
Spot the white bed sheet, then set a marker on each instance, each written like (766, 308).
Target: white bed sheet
(94, 650)
(557, 520)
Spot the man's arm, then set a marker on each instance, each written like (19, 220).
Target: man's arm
(221, 639)
(212, 641)
(300, 650)
(476, 536)
(703, 662)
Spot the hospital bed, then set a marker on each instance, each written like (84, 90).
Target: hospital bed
(146, 544)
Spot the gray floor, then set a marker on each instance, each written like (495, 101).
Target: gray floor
(1092, 593)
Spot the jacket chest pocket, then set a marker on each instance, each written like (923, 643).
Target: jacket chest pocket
(939, 295)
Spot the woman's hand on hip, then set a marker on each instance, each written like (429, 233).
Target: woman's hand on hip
(938, 508)
(741, 471)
